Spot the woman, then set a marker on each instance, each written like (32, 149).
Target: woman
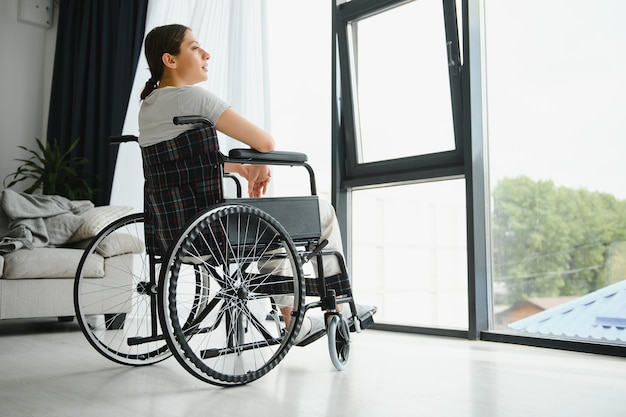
(177, 62)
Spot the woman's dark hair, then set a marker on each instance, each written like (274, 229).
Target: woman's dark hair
(161, 40)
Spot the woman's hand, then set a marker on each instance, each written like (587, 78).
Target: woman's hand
(258, 177)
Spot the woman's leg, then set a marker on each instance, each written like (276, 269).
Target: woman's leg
(332, 233)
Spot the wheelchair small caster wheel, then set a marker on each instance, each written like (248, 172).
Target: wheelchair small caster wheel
(338, 333)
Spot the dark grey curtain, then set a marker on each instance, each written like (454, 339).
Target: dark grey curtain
(97, 50)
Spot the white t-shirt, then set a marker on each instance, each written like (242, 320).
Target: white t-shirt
(163, 104)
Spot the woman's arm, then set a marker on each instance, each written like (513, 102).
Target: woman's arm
(238, 127)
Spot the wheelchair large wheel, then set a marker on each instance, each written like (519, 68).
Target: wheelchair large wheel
(236, 333)
(115, 295)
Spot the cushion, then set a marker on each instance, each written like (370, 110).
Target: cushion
(97, 219)
(119, 244)
(115, 244)
(49, 263)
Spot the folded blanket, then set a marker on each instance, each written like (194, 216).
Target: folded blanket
(37, 220)
(17, 238)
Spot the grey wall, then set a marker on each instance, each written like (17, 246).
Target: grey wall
(26, 61)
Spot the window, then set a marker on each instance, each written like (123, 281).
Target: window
(401, 84)
(409, 253)
(547, 210)
(556, 145)
(398, 137)
(400, 88)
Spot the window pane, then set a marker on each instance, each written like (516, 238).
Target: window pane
(299, 89)
(557, 145)
(402, 99)
(409, 253)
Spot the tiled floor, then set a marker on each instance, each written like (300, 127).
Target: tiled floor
(48, 369)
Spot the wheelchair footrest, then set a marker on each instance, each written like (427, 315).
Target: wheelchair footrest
(366, 321)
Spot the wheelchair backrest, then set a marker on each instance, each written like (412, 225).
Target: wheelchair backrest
(183, 177)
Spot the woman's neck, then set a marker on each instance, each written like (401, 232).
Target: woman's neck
(168, 81)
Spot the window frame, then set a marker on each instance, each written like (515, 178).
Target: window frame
(411, 168)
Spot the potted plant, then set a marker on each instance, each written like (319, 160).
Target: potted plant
(54, 172)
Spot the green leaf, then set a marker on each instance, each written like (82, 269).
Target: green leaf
(53, 171)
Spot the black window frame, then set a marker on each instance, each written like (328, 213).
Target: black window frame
(348, 175)
(411, 168)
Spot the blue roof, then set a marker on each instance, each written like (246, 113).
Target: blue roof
(600, 315)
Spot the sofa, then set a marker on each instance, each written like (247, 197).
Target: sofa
(38, 282)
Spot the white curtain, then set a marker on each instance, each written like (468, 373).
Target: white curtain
(234, 33)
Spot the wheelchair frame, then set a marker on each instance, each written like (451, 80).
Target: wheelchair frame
(216, 300)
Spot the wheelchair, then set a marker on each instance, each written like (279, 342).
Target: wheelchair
(216, 298)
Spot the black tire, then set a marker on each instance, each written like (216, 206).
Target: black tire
(234, 336)
(118, 312)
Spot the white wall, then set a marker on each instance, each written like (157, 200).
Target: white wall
(25, 76)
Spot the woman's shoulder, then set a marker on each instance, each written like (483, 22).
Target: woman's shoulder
(195, 91)
(201, 96)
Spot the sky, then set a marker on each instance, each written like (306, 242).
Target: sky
(555, 92)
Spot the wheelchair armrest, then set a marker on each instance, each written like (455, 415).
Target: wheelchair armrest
(251, 156)
(115, 140)
(193, 119)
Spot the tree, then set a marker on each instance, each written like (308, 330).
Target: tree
(553, 241)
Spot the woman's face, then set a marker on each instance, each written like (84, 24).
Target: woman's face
(192, 61)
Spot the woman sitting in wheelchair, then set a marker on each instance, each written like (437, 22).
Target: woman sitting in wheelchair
(177, 62)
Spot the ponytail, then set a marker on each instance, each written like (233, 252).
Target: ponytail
(150, 86)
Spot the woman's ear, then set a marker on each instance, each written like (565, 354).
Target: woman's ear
(168, 60)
